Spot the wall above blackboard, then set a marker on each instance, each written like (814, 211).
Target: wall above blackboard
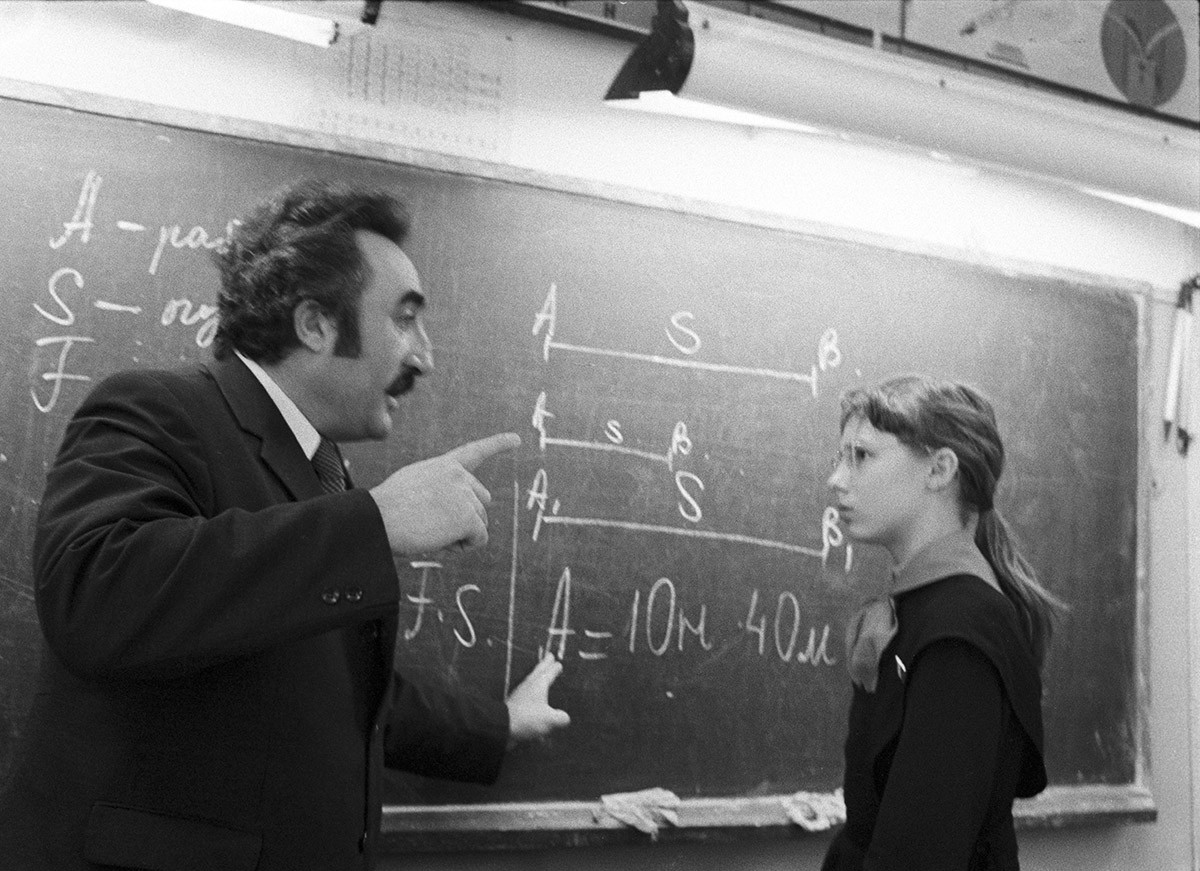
(664, 528)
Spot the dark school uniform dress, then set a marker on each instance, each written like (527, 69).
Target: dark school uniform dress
(952, 732)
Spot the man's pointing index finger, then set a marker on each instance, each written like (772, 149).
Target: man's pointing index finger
(472, 454)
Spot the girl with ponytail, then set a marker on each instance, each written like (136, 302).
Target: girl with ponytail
(945, 725)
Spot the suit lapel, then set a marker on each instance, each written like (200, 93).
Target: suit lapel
(258, 415)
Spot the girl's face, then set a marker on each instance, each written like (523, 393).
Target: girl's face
(879, 486)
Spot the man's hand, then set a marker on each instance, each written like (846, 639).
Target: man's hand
(529, 713)
(437, 503)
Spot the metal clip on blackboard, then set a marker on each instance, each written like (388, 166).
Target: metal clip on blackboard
(1181, 404)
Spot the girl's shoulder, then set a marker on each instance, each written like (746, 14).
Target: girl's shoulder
(967, 609)
(960, 603)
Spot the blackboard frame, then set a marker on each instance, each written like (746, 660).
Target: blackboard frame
(520, 825)
(560, 824)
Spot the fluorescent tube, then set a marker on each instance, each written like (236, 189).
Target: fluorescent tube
(268, 19)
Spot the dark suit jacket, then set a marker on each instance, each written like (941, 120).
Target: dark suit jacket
(217, 689)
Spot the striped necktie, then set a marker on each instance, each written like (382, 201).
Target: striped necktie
(327, 462)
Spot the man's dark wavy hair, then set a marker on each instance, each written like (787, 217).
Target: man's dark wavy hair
(299, 245)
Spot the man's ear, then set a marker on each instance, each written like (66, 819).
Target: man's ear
(943, 468)
(314, 327)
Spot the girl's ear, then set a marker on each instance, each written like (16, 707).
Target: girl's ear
(943, 467)
(314, 328)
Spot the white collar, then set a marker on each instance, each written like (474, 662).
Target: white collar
(306, 434)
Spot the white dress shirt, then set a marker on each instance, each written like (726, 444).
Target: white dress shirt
(304, 431)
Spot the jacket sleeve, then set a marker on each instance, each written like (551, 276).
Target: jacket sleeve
(941, 777)
(437, 733)
(140, 573)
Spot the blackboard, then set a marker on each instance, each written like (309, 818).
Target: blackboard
(664, 526)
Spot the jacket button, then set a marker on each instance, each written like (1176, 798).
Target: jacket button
(354, 594)
(330, 597)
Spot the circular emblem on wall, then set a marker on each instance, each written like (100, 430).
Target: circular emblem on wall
(1144, 50)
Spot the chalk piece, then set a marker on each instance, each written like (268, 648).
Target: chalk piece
(1189, 386)
(1179, 340)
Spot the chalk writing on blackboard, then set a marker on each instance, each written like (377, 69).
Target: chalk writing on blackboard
(688, 484)
(81, 221)
(66, 283)
(687, 341)
(654, 622)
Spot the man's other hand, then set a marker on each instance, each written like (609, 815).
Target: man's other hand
(530, 716)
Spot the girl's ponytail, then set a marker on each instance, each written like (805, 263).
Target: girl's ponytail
(1036, 606)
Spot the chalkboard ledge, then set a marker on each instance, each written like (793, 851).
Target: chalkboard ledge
(528, 825)
(1060, 806)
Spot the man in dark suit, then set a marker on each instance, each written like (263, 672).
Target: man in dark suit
(220, 607)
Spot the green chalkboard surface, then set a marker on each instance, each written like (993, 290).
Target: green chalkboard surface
(665, 526)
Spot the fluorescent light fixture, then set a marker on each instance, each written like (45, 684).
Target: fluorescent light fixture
(267, 19)
(1191, 217)
(723, 58)
(666, 103)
